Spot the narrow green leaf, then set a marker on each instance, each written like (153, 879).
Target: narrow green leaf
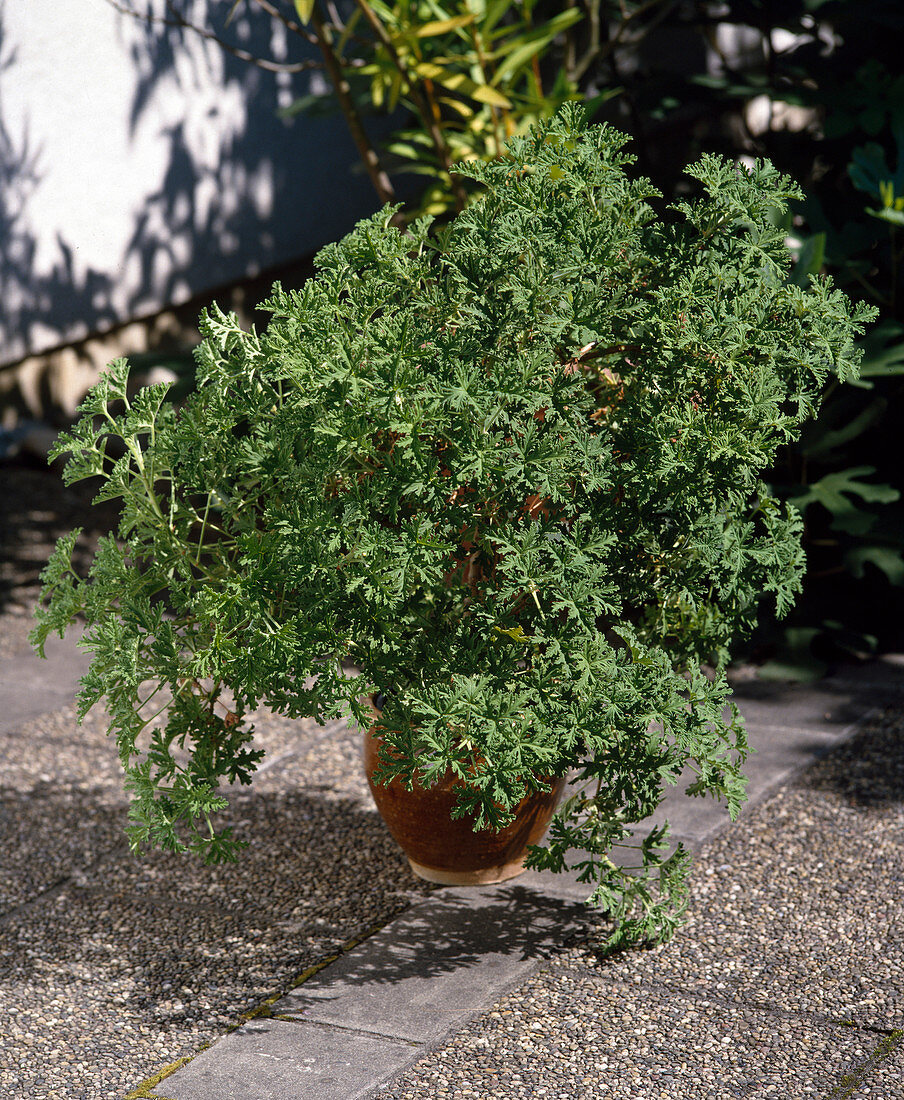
(517, 53)
(484, 93)
(459, 82)
(305, 9)
(443, 26)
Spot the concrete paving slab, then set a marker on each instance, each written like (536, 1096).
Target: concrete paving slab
(570, 1034)
(799, 906)
(798, 707)
(780, 753)
(787, 981)
(274, 1060)
(437, 964)
(563, 885)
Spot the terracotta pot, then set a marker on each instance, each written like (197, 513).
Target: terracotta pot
(448, 851)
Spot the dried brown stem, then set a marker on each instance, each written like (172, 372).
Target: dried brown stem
(421, 103)
(378, 176)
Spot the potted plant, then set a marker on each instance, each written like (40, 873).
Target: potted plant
(502, 475)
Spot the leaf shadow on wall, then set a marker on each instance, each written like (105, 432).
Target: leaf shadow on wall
(242, 191)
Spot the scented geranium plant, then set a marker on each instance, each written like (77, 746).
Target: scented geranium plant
(503, 473)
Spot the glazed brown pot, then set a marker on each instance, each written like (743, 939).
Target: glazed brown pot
(448, 851)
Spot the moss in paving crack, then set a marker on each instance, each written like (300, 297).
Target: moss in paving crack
(850, 1081)
(142, 1091)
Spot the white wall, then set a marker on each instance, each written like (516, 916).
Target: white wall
(141, 164)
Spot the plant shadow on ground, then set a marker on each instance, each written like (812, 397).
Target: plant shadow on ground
(868, 770)
(35, 510)
(151, 958)
(446, 934)
(185, 951)
(126, 963)
(120, 953)
(319, 872)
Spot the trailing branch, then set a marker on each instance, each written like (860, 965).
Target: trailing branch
(178, 20)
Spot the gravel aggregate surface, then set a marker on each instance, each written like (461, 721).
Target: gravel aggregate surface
(787, 979)
(114, 966)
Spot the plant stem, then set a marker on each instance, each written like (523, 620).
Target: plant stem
(482, 62)
(375, 170)
(421, 103)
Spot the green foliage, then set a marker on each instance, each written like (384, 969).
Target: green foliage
(839, 475)
(467, 72)
(510, 469)
(817, 89)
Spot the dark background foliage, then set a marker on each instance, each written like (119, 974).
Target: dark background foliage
(815, 86)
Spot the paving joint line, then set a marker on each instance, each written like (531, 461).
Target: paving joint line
(48, 893)
(532, 966)
(56, 887)
(315, 737)
(419, 1050)
(718, 999)
(869, 712)
(833, 734)
(851, 1081)
(159, 902)
(329, 1025)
